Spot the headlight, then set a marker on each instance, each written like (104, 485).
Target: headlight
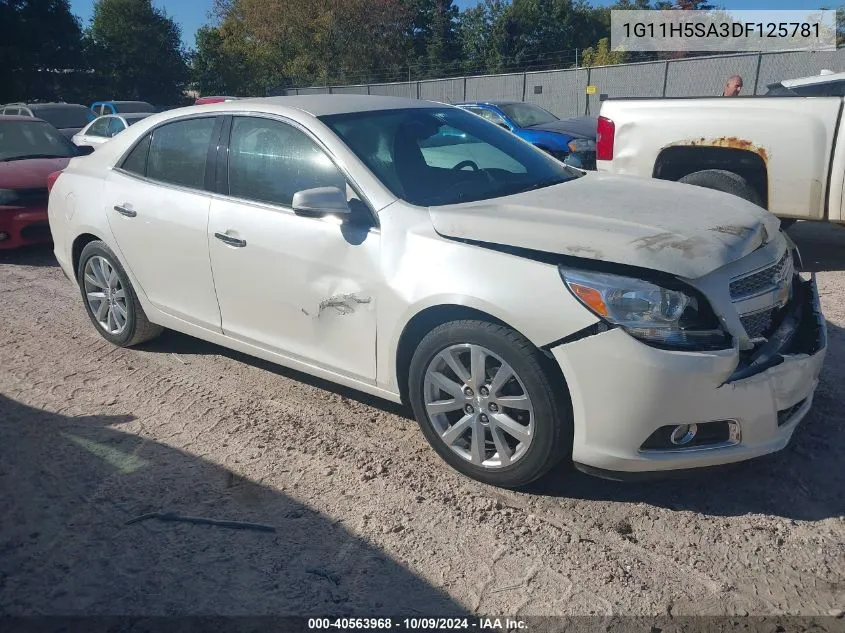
(582, 145)
(8, 196)
(653, 314)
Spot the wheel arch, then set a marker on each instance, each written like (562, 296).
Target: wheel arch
(79, 243)
(428, 318)
(677, 161)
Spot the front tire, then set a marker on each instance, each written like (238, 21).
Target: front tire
(483, 397)
(110, 300)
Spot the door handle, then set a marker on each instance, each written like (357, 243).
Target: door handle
(129, 213)
(231, 241)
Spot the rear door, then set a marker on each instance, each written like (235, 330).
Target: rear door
(157, 202)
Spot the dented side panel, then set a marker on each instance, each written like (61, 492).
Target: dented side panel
(304, 287)
(793, 136)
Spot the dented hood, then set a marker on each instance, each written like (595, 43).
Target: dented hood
(679, 229)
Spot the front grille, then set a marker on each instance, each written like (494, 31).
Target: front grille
(761, 281)
(36, 232)
(30, 197)
(785, 415)
(758, 324)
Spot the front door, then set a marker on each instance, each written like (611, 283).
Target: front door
(158, 209)
(304, 287)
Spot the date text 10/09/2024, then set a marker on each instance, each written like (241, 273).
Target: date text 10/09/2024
(417, 624)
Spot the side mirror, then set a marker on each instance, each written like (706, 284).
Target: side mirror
(320, 201)
(84, 150)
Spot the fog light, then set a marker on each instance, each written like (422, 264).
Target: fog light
(683, 434)
(3, 236)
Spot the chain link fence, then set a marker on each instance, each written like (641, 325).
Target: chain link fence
(565, 92)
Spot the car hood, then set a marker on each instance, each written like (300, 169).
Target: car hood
(577, 126)
(678, 229)
(29, 174)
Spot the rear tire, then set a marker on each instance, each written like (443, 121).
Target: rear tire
(726, 181)
(118, 317)
(494, 409)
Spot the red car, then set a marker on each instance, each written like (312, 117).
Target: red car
(30, 150)
(214, 99)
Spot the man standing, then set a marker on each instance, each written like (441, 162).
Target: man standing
(733, 86)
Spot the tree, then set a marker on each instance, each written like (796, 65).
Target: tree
(137, 52)
(601, 55)
(434, 40)
(42, 51)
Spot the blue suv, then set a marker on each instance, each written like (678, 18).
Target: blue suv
(572, 141)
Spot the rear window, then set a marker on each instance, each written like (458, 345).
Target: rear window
(69, 116)
(20, 140)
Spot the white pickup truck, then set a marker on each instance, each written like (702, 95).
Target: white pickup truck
(783, 151)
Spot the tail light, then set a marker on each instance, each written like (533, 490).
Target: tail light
(604, 139)
(51, 180)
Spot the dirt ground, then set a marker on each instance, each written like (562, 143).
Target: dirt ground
(369, 521)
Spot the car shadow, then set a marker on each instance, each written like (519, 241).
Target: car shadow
(171, 342)
(68, 486)
(40, 255)
(805, 481)
(821, 244)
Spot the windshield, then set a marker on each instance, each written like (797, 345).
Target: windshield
(526, 115)
(434, 156)
(64, 116)
(23, 139)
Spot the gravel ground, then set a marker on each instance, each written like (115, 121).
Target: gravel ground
(369, 521)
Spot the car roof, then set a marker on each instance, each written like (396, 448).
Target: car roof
(48, 104)
(20, 117)
(821, 78)
(319, 105)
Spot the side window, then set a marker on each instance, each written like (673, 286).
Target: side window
(11, 111)
(178, 152)
(270, 161)
(136, 161)
(115, 126)
(828, 89)
(100, 127)
(493, 117)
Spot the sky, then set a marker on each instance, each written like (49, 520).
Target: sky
(192, 14)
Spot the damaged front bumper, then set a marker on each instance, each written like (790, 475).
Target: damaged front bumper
(628, 397)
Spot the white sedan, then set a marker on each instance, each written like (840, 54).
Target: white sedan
(105, 127)
(527, 311)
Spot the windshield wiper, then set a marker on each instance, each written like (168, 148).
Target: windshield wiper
(28, 157)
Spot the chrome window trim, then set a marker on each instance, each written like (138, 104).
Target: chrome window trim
(376, 228)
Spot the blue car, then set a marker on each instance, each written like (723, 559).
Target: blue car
(572, 141)
(99, 108)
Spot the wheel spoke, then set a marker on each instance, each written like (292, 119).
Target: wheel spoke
(443, 406)
(502, 447)
(102, 311)
(112, 277)
(96, 296)
(120, 311)
(511, 427)
(478, 356)
(515, 402)
(89, 278)
(97, 269)
(449, 386)
(503, 374)
(456, 430)
(120, 293)
(456, 365)
(477, 445)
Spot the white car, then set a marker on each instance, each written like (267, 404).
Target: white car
(105, 127)
(527, 311)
